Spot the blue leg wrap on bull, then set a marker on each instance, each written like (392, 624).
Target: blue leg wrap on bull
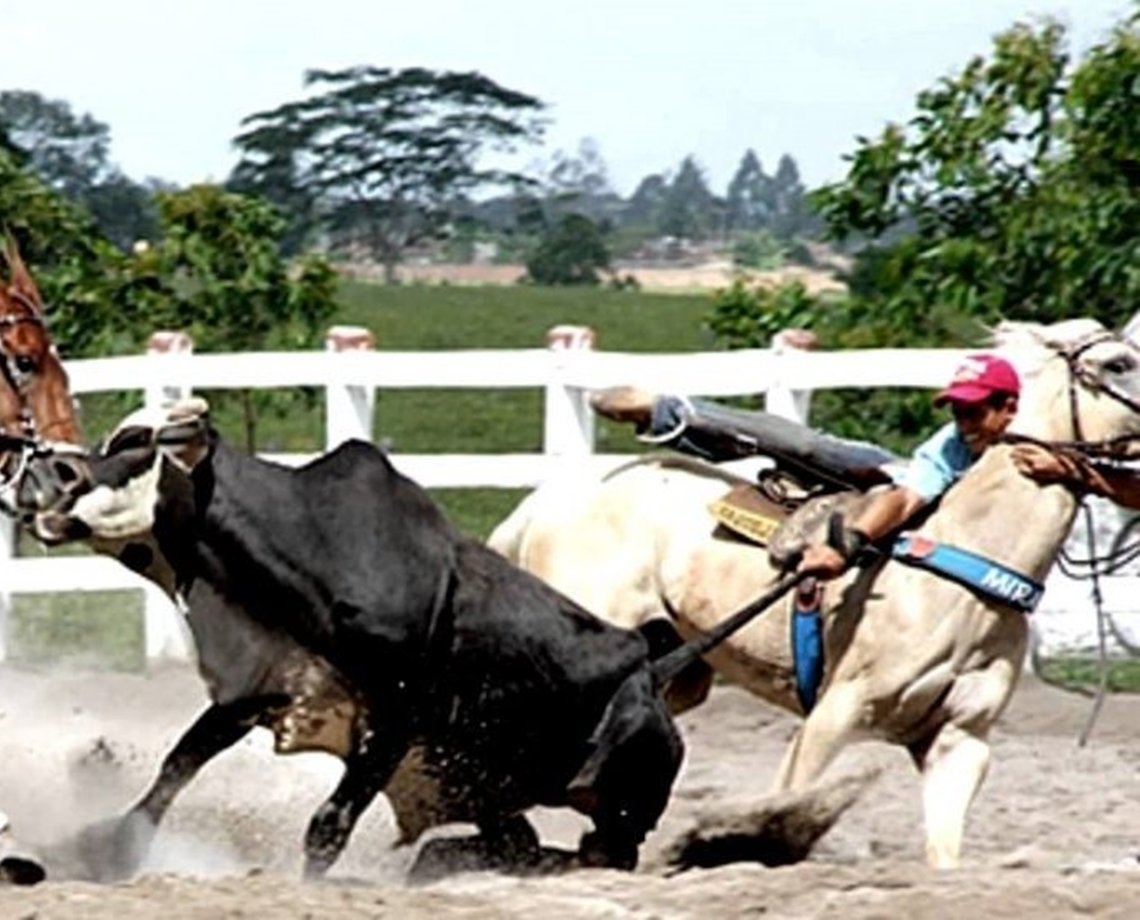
(807, 642)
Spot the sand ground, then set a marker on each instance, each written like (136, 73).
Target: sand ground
(1055, 831)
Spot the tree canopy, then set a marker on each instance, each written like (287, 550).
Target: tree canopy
(70, 153)
(689, 209)
(380, 157)
(1012, 192)
(217, 273)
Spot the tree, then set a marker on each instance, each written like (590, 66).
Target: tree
(579, 183)
(217, 273)
(582, 175)
(573, 252)
(645, 204)
(1015, 187)
(790, 215)
(689, 210)
(70, 153)
(124, 210)
(1013, 192)
(90, 293)
(748, 202)
(275, 176)
(385, 154)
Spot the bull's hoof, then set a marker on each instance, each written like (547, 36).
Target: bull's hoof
(512, 848)
(598, 852)
(19, 870)
(114, 850)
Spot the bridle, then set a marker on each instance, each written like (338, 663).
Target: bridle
(1080, 376)
(15, 377)
(28, 443)
(1093, 565)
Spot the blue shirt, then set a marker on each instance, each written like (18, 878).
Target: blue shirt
(936, 463)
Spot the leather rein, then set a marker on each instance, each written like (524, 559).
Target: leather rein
(1078, 375)
(28, 442)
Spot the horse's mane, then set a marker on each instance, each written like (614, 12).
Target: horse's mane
(1029, 337)
(1033, 346)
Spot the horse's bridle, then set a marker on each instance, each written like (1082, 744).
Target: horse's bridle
(1078, 374)
(1081, 376)
(28, 443)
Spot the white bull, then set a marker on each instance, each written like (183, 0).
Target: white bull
(911, 658)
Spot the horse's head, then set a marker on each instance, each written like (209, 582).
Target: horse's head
(36, 407)
(1081, 382)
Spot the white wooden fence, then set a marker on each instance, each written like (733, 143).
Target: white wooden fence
(350, 371)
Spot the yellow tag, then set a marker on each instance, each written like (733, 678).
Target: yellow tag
(750, 524)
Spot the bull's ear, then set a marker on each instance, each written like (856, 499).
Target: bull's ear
(185, 437)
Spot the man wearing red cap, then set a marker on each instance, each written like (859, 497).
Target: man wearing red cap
(983, 400)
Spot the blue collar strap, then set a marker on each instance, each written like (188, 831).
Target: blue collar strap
(983, 576)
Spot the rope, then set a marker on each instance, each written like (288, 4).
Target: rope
(1101, 629)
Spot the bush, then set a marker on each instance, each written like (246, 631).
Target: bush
(759, 250)
(748, 315)
(573, 253)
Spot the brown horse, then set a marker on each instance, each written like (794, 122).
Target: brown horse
(34, 398)
(36, 407)
(36, 412)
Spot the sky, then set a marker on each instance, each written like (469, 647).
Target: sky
(650, 82)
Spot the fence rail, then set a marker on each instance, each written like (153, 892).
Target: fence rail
(566, 371)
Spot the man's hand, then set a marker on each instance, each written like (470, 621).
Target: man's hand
(1044, 465)
(1119, 485)
(822, 561)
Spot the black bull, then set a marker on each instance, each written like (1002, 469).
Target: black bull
(335, 605)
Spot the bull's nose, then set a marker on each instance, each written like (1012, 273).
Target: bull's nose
(52, 528)
(73, 473)
(54, 481)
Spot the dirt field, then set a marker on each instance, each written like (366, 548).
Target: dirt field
(708, 276)
(1055, 832)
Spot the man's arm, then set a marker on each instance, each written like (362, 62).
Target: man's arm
(887, 512)
(1118, 484)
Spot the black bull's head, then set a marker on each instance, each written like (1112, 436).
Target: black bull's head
(114, 492)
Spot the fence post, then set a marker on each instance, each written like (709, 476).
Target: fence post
(348, 407)
(164, 389)
(780, 400)
(165, 634)
(568, 421)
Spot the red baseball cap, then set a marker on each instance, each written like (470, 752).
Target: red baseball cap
(978, 377)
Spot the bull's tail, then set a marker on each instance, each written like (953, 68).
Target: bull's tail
(672, 663)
